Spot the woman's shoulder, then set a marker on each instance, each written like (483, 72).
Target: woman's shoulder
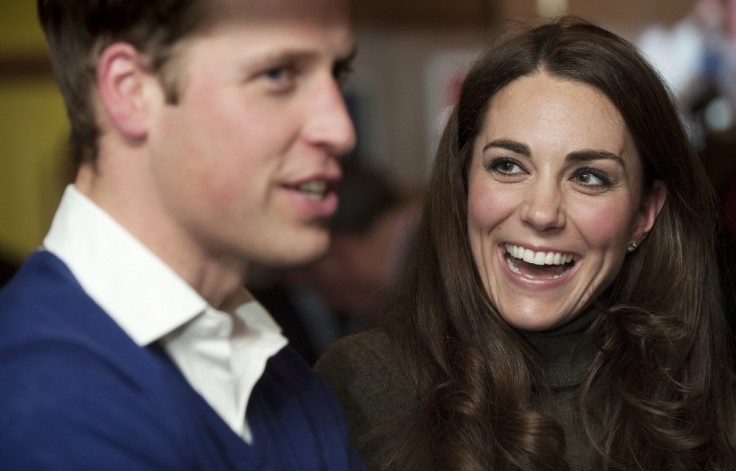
(374, 342)
(366, 357)
(369, 381)
(366, 372)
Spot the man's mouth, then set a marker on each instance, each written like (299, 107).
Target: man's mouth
(536, 265)
(314, 189)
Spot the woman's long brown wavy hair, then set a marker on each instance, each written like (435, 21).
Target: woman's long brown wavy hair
(659, 393)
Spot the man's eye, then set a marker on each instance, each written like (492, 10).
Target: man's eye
(277, 74)
(280, 78)
(341, 72)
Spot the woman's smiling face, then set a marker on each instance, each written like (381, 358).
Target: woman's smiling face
(554, 196)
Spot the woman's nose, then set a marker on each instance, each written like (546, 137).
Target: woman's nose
(542, 207)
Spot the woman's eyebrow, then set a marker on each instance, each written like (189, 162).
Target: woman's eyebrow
(588, 155)
(585, 155)
(509, 144)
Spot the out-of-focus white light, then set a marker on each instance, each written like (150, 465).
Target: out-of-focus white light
(719, 115)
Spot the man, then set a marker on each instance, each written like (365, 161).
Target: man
(208, 135)
(347, 289)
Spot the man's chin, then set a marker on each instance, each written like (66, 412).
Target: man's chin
(301, 255)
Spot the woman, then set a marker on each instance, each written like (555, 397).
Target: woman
(562, 309)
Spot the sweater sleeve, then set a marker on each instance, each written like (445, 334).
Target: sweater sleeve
(372, 389)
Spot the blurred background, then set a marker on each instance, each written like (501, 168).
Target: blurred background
(412, 56)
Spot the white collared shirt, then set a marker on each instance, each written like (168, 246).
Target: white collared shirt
(221, 354)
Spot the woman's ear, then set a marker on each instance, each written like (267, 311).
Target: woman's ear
(651, 205)
(121, 80)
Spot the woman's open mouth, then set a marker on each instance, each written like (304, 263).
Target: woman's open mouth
(538, 265)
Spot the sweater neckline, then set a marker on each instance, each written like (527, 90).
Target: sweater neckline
(566, 351)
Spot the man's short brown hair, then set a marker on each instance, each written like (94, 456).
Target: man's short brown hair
(77, 32)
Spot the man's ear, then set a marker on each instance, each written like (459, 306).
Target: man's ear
(121, 81)
(651, 205)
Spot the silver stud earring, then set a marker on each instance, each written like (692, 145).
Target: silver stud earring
(631, 246)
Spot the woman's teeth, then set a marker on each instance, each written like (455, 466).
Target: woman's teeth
(538, 258)
(314, 189)
(544, 260)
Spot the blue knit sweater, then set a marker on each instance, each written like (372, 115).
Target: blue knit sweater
(76, 393)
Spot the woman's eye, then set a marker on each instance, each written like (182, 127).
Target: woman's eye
(506, 167)
(592, 178)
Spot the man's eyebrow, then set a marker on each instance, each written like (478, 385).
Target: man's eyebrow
(295, 55)
(286, 56)
(508, 144)
(349, 55)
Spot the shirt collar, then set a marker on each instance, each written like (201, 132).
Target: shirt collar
(136, 288)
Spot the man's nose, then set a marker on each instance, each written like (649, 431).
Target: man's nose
(329, 124)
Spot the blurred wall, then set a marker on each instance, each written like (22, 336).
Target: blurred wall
(405, 47)
(33, 132)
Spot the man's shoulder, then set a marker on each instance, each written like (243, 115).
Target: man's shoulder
(55, 338)
(44, 303)
(64, 405)
(51, 330)
(42, 280)
(73, 384)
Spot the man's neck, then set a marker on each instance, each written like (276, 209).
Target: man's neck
(214, 278)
